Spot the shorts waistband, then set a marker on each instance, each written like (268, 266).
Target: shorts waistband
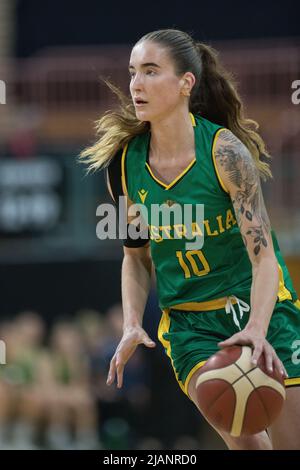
(214, 304)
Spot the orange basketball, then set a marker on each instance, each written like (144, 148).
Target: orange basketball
(237, 397)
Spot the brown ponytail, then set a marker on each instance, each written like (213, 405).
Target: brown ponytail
(217, 100)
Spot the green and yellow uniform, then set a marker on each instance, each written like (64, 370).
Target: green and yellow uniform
(196, 287)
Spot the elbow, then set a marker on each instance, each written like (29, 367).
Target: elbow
(270, 262)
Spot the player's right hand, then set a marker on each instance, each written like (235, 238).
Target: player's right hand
(132, 337)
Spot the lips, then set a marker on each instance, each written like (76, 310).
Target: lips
(139, 101)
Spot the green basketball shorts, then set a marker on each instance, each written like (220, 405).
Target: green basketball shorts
(191, 337)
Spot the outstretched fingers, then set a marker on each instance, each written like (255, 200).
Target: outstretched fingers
(120, 371)
(128, 344)
(112, 371)
(116, 369)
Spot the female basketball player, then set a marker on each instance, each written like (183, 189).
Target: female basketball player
(183, 138)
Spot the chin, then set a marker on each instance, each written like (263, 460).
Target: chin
(142, 115)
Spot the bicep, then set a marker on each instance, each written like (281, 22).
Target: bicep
(241, 177)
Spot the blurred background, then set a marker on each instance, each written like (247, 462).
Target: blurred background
(60, 313)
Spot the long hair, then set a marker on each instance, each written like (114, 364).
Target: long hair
(214, 97)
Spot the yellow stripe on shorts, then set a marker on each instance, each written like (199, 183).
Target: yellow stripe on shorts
(164, 327)
(291, 382)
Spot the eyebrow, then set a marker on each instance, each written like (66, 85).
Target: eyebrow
(147, 64)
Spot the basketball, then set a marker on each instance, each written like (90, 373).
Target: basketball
(237, 397)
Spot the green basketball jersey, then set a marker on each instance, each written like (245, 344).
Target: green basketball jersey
(222, 266)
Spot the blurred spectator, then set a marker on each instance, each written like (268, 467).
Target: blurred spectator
(23, 144)
(72, 413)
(22, 403)
(129, 404)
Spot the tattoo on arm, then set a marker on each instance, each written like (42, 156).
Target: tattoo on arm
(237, 162)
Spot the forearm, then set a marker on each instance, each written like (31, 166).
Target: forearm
(136, 281)
(264, 292)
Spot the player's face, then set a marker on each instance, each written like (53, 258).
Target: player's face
(154, 86)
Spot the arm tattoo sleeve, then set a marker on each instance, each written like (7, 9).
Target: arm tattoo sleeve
(242, 175)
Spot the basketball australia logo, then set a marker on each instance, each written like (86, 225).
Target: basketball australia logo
(169, 202)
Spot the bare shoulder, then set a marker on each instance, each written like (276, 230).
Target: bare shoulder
(235, 163)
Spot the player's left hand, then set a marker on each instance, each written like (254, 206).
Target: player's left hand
(251, 336)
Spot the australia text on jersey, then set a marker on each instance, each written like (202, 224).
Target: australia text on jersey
(164, 222)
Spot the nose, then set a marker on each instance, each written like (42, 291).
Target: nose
(137, 82)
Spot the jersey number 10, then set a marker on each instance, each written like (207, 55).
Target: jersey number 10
(193, 262)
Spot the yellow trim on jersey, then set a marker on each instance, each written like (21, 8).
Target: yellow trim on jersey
(181, 174)
(168, 186)
(297, 303)
(123, 177)
(291, 382)
(190, 374)
(193, 119)
(154, 177)
(214, 160)
(164, 326)
(203, 306)
(283, 292)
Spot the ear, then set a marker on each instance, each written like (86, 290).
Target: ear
(187, 82)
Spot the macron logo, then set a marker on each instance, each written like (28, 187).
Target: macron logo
(143, 195)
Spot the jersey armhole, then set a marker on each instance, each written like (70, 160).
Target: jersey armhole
(114, 177)
(109, 185)
(117, 186)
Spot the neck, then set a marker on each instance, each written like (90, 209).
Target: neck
(172, 136)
